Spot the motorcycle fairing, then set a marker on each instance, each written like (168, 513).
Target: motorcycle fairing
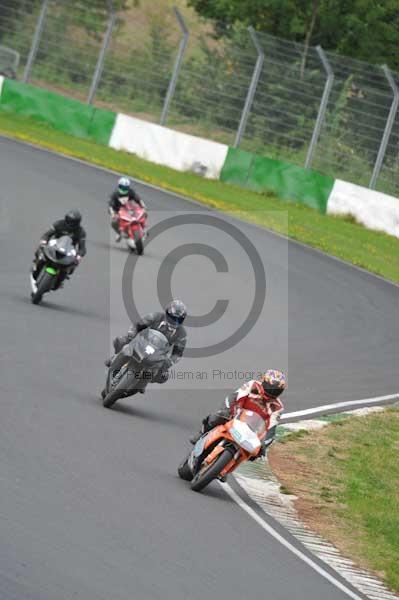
(205, 441)
(61, 251)
(244, 436)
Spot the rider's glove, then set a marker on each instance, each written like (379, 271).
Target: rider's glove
(119, 342)
(78, 259)
(261, 453)
(43, 243)
(162, 377)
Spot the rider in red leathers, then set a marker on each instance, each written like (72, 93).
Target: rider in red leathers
(259, 396)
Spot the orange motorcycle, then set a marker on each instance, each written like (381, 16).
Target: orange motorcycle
(222, 449)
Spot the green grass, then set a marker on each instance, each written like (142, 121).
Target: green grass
(351, 474)
(349, 241)
(284, 435)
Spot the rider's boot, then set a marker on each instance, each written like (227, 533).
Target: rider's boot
(204, 429)
(194, 438)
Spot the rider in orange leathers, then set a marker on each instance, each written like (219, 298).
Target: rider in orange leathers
(259, 396)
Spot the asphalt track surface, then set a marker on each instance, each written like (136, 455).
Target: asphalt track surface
(90, 504)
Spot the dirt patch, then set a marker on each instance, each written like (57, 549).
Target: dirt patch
(308, 468)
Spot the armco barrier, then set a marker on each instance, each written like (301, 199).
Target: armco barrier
(287, 181)
(185, 152)
(372, 209)
(168, 147)
(65, 114)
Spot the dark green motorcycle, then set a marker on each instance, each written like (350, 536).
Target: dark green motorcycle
(54, 260)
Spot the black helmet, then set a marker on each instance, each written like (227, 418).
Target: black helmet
(73, 219)
(175, 313)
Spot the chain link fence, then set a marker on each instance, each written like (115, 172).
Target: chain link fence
(250, 90)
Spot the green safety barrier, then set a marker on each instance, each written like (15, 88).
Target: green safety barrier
(287, 181)
(65, 114)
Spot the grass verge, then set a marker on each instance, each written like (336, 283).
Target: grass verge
(346, 478)
(374, 251)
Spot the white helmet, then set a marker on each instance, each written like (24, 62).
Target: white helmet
(123, 186)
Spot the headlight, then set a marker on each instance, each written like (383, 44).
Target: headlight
(236, 435)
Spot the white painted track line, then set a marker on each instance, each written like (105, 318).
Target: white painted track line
(337, 407)
(269, 529)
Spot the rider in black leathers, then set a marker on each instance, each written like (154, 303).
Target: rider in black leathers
(69, 225)
(123, 193)
(170, 323)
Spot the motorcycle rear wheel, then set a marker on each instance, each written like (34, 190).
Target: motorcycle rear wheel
(205, 476)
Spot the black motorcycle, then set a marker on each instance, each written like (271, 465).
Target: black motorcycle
(145, 355)
(53, 259)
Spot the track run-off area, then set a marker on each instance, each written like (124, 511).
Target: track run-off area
(91, 505)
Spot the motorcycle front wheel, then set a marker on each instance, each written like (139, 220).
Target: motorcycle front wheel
(119, 391)
(111, 398)
(208, 474)
(139, 243)
(44, 284)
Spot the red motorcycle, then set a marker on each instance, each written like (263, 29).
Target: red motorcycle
(132, 222)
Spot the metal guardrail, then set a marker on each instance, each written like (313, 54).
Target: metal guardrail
(253, 91)
(9, 61)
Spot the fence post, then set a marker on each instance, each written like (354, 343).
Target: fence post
(322, 108)
(100, 61)
(252, 87)
(177, 65)
(388, 127)
(36, 41)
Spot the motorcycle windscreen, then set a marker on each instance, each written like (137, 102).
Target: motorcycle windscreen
(151, 345)
(246, 430)
(253, 420)
(61, 251)
(127, 215)
(134, 209)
